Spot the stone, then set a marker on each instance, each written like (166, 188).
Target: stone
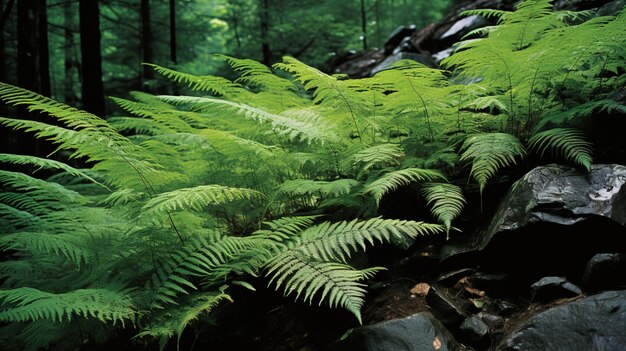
(389, 61)
(463, 26)
(494, 322)
(397, 36)
(474, 329)
(553, 288)
(594, 323)
(452, 277)
(605, 271)
(444, 307)
(505, 308)
(421, 331)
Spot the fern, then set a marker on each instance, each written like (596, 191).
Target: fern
(378, 156)
(196, 198)
(566, 141)
(489, 152)
(447, 202)
(394, 179)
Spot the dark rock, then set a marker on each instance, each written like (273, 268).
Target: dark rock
(611, 8)
(397, 36)
(463, 26)
(562, 195)
(449, 311)
(389, 61)
(605, 271)
(450, 278)
(596, 323)
(416, 332)
(474, 329)
(553, 288)
(505, 308)
(441, 55)
(495, 323)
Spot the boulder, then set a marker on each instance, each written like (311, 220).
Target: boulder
(420, 331)
(594, 323)
(605, 271)
(447, 309)
(553, 288)
(474, 329)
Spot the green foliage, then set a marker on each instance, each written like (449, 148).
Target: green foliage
(181, 203)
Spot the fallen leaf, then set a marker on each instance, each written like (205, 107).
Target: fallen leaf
(478, 303)
(474, 291)
(436, 343)
(420, 289)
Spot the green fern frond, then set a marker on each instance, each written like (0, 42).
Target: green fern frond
(568, 142)
(258, 75)
(29, 304)
(489, 152)
(197, 198)
(219, 86)
(378, 156)
(336, 241)
(339, 283)
(394, 179)
(446, 201)
(71, 245)
(337, 187)
(173, 321)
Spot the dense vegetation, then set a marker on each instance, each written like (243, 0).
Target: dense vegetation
(279, 173)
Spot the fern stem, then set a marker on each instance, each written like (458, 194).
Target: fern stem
(430, 130)
(356, 125)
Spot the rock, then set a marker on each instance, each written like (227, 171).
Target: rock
(464, 25)
(420, 331)
(495, 323)
(553, 288)
(594, 323)
(474, 329)
(389, 61)
(605, 271)
(562, 195)
(449, 311)
(451, 278)
(504, 308)
(494, 284)
(441, 55)
(397, 36)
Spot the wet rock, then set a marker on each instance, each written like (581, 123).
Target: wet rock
(389, 61)
(562, 195)
(605, 271)
(448, 310)
(474, 329)
(464, 25)
(494, 322)
(420, 331)
(553, 288)
(397, 36)
(494, 284)
(594, 323)
(441, 55)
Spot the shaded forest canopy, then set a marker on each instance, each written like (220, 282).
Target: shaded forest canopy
(215, 177)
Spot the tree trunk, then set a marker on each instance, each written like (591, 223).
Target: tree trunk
(3, 77)
(146, 45)
(173, 57)
(44, 54)
(92, 89)
(5, 13)
(70, 55)
(363, 25)
(265, 26)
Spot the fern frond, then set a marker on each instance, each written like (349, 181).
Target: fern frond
(196, 198)
(378, 156)
(336, 241)
(313, 187)
(337, 282)
(446, 201)
(29, 304)
(70, 245)
(489, 152)
(219, 86)
(258, 75)
(394, 179)
(568, 142)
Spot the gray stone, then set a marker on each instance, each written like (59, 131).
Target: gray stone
(444, 307)
(553, 288)
(605, 271)
(474, 329)
(414, 333)
(596, 323)
(463, 26)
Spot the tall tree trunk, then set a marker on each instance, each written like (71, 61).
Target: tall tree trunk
(264, 16)
(146, 45)
(92, 89)
(70, 55)
(173, 57)
(363, 25)
(6, 11)
(3, 77)
(44, 54)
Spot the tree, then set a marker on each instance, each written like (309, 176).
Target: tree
(44, 54)
(146, 45)
(173, 57)
(264, 17)
(69, 54)
(92, 88)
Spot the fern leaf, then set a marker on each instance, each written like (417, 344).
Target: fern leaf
(378, 156)
(219, 86)
(29, 304)
(337, 187)
(446, 201)
(196, 198)
(394, 179)
(489, 152)
(564, 141)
